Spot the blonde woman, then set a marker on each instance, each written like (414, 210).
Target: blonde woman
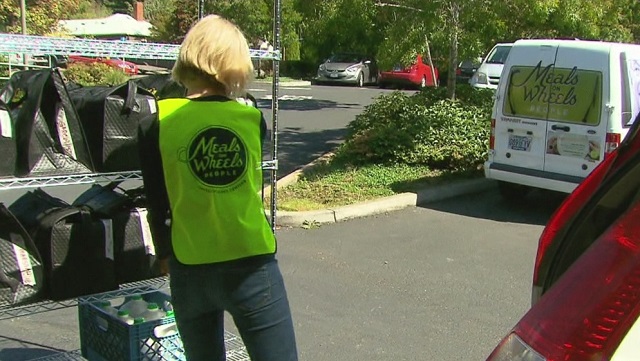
(202, 174)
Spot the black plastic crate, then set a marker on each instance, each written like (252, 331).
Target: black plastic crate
(104, 337)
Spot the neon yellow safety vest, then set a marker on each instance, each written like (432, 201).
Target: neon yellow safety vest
(211, 158)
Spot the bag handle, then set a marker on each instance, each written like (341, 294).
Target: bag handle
(130, 101)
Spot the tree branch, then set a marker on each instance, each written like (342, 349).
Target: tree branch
(398, 6)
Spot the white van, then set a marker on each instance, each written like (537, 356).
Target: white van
(488, 74)
(561, 107)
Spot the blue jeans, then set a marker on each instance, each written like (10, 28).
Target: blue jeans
(252, 292)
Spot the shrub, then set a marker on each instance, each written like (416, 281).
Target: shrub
(95, 74)
(422, 129)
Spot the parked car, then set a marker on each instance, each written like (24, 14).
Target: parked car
(418, 75)
(348, 68)
(126, 66)
(586, 283)
(488, 74)
(466, 69)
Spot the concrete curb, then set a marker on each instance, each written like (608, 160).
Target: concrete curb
(387, 204)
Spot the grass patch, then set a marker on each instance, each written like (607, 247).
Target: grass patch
(333, 185)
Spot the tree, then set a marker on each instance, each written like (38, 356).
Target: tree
(42, 15)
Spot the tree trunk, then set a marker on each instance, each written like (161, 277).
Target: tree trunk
(433, 70)
(454, 9)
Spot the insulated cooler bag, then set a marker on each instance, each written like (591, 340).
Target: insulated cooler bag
(134, 252)
(49, 137)
(7, 142)
(32, 205)
(21, 273)
(77, 253)
(110, 116)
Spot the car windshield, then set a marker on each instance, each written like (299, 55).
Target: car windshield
(345, 58)
(499, 54)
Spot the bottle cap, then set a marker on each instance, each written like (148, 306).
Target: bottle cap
(152, 306)
(123, 313)
(138, 320)
(136, 297)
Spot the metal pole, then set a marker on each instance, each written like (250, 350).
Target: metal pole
(274, 107)
(200, 9)
(23, 16)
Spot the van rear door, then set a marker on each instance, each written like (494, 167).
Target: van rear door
(520, 128)
(577, 120)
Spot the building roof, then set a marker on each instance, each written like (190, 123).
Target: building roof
(114, 25)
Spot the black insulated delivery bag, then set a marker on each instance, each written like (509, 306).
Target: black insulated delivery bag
(134, 251)
(110, 116)
(7, 142)
(77, 253)
(48, 135)
(161, 86)
(21, 272)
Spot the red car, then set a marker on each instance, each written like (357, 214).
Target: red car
(586, 281)
(417, 75)
(126, 66)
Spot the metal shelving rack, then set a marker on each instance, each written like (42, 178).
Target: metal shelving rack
(35, 45)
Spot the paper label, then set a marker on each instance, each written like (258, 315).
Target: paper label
(108, 238)
(152, 105)
(5, 124)
(147, 239)
(64, 133)
(24, 261)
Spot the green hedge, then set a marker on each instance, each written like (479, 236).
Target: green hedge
(425, 128)
(95, 74)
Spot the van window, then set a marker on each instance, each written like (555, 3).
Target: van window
(560, 94)
(499, 54)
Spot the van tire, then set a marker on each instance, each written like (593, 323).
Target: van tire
(512, 191)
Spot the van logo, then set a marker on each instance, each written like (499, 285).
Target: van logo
(216, 156)
(553, 93)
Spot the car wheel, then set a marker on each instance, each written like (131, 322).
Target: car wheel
(513, 192)
(382, 85)
(423, 82)
(360, 80)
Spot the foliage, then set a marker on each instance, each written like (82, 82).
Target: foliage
(42, 15)
(89, 9)
(95, 74)
(423, 129)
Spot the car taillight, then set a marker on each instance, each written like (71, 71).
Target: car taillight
(587, 313)
(492, 134)
(612, 142)
(568, 209)
(458, 71)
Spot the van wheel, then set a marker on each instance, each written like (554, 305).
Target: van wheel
(513, 192)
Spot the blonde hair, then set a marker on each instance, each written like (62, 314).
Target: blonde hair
(214, 54)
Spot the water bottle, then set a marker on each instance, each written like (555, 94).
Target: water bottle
(123, 315)
(153, 312)
(136, 306)
(106, 307)
(167, 306)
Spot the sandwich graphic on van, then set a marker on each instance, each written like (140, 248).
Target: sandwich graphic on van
(560, 108)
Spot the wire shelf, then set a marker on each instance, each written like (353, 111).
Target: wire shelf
(73, 179)
(48, 305)
(30, 44)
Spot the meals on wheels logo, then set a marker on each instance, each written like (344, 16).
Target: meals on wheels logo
(217, 156)
(564, 94)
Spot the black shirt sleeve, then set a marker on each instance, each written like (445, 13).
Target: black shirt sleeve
(154, 185)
